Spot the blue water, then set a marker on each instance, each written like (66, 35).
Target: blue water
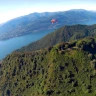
(10, 45)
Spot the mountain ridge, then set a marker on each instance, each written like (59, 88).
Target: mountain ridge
(63, 34)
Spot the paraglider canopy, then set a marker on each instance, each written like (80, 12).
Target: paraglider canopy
(53, 21)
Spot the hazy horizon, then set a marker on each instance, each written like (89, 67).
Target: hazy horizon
(10, 9)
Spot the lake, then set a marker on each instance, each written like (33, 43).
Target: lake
(10, 45)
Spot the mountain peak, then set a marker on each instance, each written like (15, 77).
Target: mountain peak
(80, 10)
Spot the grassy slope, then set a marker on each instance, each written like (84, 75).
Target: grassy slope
(67, 69)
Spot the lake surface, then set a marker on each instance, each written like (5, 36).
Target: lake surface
(10, 45)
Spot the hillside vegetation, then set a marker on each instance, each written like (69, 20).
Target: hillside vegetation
(38, 22)
(63, 34)
(66, 69)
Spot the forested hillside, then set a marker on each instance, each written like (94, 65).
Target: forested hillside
(66, 69)
(63, 34)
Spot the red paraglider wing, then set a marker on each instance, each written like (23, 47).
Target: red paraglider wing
(53, 21)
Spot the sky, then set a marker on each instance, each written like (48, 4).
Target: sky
(10, 9)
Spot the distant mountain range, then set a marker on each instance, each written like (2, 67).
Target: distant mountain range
(38, 22)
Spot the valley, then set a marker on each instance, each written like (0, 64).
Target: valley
(23, 30)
